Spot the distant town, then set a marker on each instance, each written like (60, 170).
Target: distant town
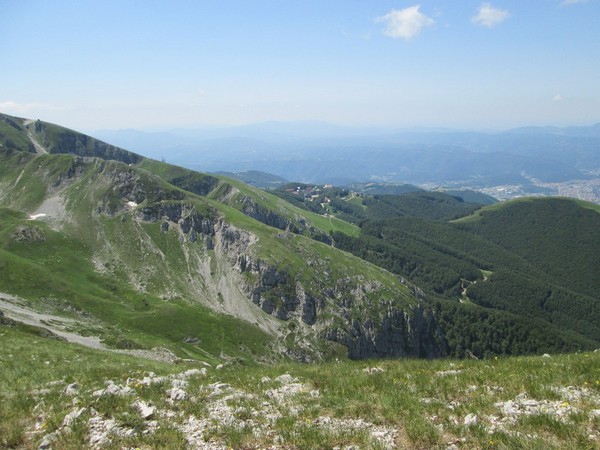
(588, 190)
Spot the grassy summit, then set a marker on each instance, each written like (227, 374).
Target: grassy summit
(72, 397)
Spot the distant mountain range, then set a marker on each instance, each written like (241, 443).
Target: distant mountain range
(316, 152)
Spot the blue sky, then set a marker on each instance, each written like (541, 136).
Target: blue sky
(461, 64)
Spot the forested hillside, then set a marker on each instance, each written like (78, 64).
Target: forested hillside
(147, 254)
(532, 265)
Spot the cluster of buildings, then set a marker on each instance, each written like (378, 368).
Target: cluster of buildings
(311, 193)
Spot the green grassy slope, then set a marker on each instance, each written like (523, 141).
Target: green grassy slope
(525, 402)
(156, 252)
(262, 205)
(42, 137)
(55, 272)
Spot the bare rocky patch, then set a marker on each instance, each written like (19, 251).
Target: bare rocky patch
(224, 409)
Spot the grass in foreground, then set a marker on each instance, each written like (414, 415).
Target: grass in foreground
(528, 402)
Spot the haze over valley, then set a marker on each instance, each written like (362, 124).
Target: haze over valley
(548, 161)
(299, 225)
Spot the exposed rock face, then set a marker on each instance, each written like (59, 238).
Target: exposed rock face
(266, 216)
(192, 223)
(127, 184)
(6, 321)
(26, 234)
(395, 333)
(391, 333)
(400, 333)
(277, 293)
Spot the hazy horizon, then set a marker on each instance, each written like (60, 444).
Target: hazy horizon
(378, 129)
(475, 65)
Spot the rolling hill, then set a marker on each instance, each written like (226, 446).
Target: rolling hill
(533, 258)
(156, 255)
(149, 255)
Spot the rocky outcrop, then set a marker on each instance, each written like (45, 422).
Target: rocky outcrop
(368, 328)
(191, 222)
(277, 292)
(183, 214)
(394, 332)
(398, 333)
(25, 234)
(267, 216)
(6, 321)
(126, 184)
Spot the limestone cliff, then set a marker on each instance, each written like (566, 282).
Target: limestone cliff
(329, 312)
(179, 236)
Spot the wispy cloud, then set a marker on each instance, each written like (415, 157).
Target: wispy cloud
(11, 107)
(405, 23)
(557, 98)
(489, 16)
(573, 2)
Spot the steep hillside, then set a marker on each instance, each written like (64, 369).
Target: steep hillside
(61, 395)
(557, 235)
(42, 137)
(531, 264)
(147, 255)
(253, 202)
(155, 255)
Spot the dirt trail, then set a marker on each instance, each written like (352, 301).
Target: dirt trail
(40, 149)
(14, 308)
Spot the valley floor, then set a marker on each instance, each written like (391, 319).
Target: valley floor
(55, 394)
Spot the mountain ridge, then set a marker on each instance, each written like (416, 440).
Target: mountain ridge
(125, 213)
(154, 237)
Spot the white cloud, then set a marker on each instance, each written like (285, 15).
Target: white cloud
(405, 23)
(489, 16)
(10, 107)
(573, 2)
(557, 98)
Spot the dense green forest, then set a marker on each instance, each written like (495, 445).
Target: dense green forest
(357, 207)
(512, 278)
(517, 277)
